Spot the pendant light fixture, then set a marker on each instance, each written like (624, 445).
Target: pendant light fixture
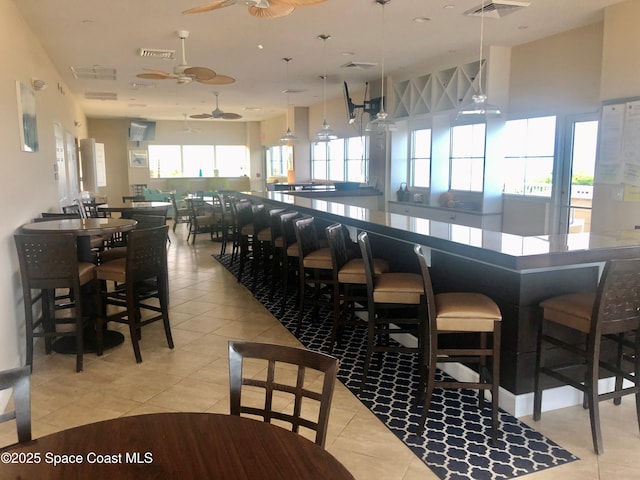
(288, 136)
(325, 134)
(381, 122)
(479, 109)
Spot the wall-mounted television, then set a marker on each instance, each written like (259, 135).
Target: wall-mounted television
(142, 131)
(367, 106)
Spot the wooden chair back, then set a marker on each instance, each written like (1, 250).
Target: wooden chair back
(18, 379)
(279, 360)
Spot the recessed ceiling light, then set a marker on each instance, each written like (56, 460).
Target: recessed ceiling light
(421, 19)
(260, 47)
(449, 7)
(348, 54)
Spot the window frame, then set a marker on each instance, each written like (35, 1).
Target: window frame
(156, 170)
(473, 158)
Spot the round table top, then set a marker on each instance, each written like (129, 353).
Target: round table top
(123, 207)
(172, 446)
(81, 226)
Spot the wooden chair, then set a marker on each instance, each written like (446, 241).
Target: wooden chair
(349, 280)
(144, 222)
(314, 268)
(49, 262)
(141, 276)
(599, 318)
(201, 219)
(461, 313)
(18, 379)
(180, 214)
(279, 360)
(386, 293)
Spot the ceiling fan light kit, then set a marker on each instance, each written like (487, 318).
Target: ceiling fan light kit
(381, 123)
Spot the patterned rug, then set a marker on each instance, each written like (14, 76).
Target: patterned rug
(456, 443)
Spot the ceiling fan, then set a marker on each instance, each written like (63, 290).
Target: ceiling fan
(217, 113)
(258, 8)
(183, 73)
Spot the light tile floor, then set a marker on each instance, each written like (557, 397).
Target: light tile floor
(208, 308)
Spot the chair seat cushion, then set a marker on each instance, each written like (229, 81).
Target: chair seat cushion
(320, 258)
(293, 250)
(86, 272)
(113, 254)
(397, 287)
(247, 230)
(573, 310)
(264, 235)
(115, 270)
(278, 242)
(353, 270)
(466, 312)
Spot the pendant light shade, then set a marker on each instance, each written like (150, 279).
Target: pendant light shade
(479, 109)
(325, 134)
(381, 122)
(288, 136)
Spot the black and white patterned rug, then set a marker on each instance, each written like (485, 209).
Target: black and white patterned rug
(456, 442)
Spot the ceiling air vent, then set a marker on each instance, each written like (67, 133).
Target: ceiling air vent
(157, 53)
(360, 65)
(496, 9)
(101, 96)
(94, 73)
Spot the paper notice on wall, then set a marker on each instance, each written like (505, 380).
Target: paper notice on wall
(631, 193)
(631, 174)
(611, 130)
(631, 134)
(609, 173)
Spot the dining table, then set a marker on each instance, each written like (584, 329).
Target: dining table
(83, 229)
(177, 445)
(132, 206)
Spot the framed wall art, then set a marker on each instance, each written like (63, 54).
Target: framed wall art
(138, 158)
(28, 125)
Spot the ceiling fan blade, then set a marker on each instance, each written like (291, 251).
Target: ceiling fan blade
(217, 80)
(231, 116)
(154, 76)
(200, 115)
(200, 73)
(296, 3)
(274, 11)
(208, 7)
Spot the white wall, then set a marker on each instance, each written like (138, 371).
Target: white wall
(29, 186)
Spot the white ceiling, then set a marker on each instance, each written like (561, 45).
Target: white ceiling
(88, 33)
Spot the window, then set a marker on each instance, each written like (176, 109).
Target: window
(339, 160)
(278, 160)
(467, 157)
(529, 156)
(420, 158)
(198, 161)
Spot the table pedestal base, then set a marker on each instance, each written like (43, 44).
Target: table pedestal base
(67, 345)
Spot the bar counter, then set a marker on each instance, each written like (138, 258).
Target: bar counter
(517, 272)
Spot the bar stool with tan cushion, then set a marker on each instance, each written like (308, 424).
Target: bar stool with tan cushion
(49, 262)
(596, 318)
(314, 268)
(461, 313)
(142, 286)
(349, 280)
(387, 292)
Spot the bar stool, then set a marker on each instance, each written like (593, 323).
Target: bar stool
(607, 314)
(47, 263)
(349, 280)
(141, 276)
(314, 267)
(461, 313)
(262, 244)
(386, 292)
(289, 253)
(244, 232)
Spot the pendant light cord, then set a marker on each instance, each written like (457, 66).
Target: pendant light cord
(382, 50)
(480, 90)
